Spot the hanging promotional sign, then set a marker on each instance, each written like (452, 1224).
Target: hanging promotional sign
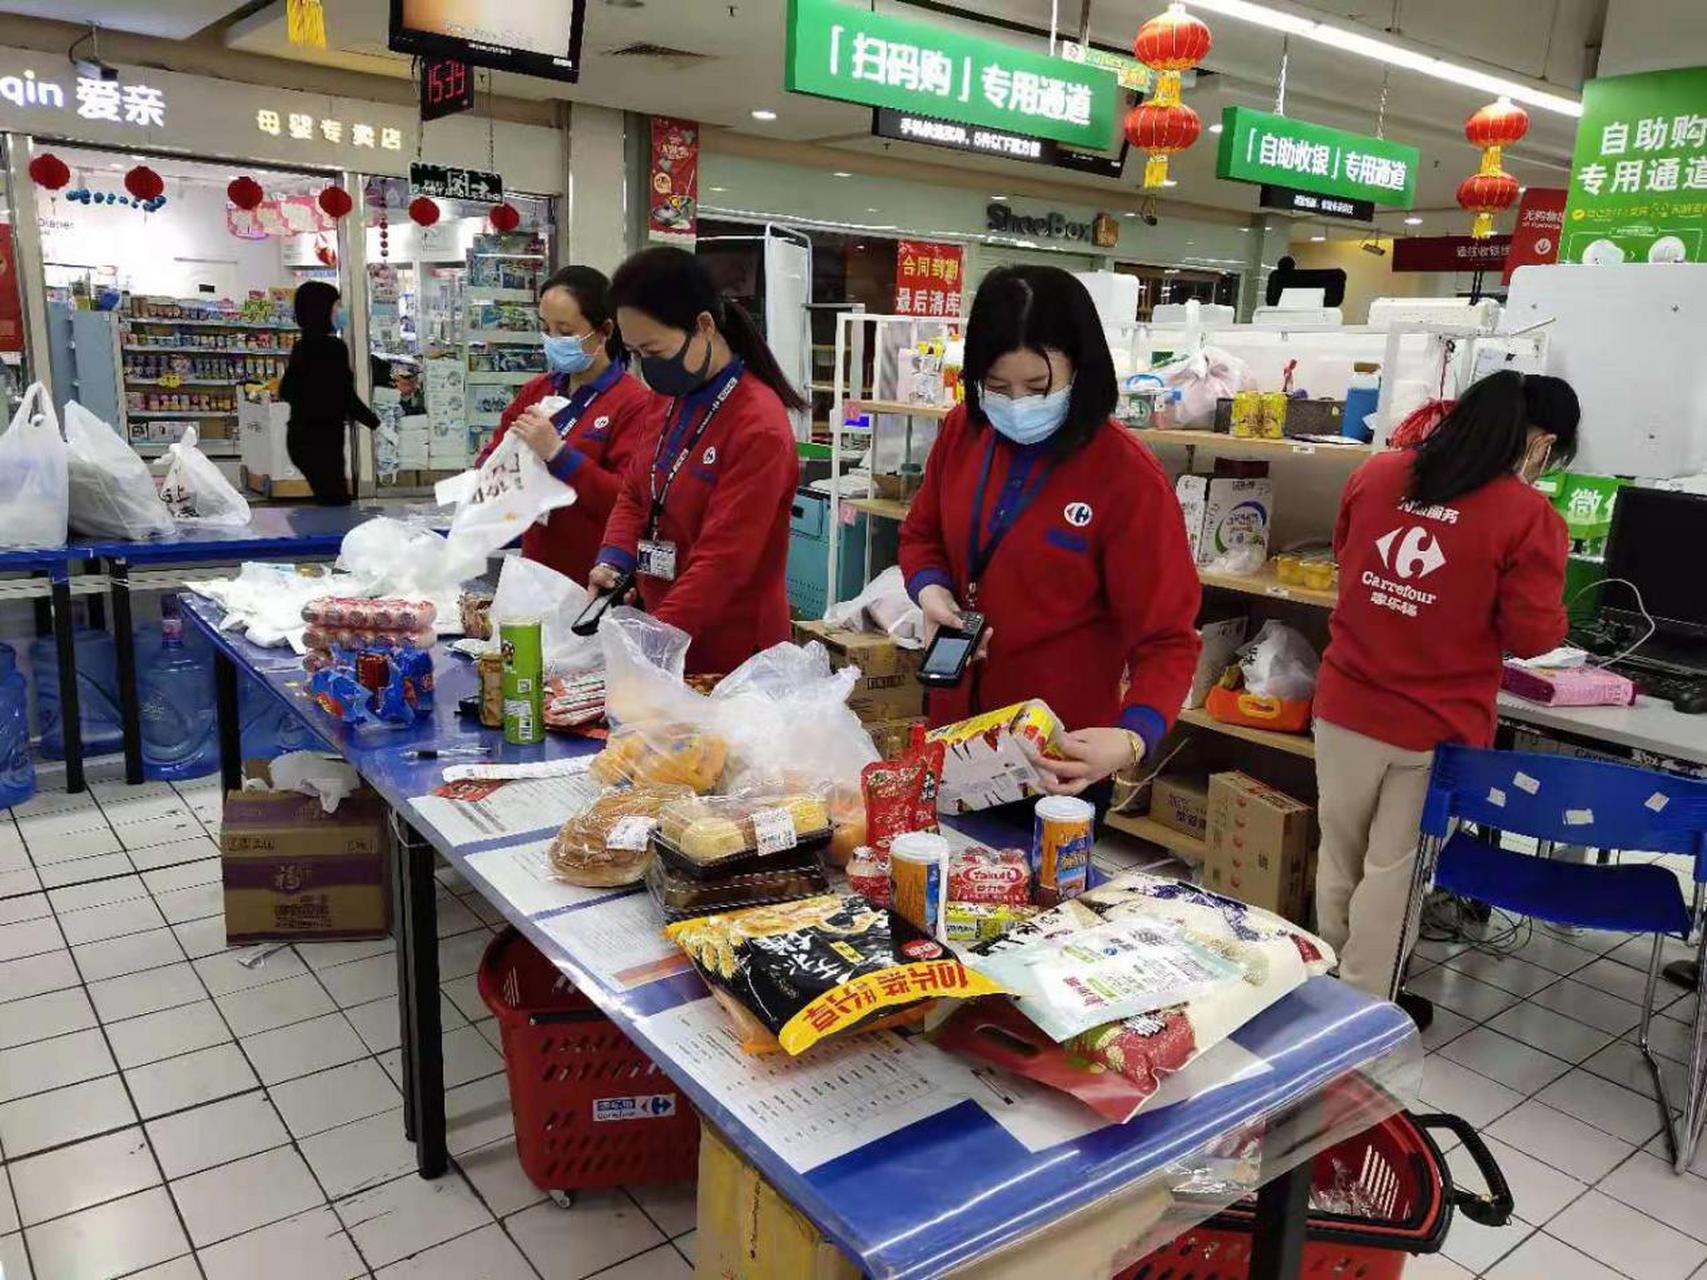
(1291, 201)
(11, 304)
(672, 211)
(1535, 240)
(836, 50)
(1638, 188)
(444, 183)
(905, 126)
(1449, 253)
(928, 277)
(1257, 146)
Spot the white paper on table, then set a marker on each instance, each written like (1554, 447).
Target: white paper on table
(620, 941)
(508, 808)
(1035, 1116)
(521, 874)
(530, 769)
(812, 1109)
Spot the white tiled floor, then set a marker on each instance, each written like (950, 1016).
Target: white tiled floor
(169, 1114)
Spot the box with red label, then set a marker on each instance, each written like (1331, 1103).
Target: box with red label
(1259, 845)
(987, 761)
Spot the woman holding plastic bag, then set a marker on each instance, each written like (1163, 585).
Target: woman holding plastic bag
(702, 519)
(585, 418)
(320, 389)
(1042, 513)
(1448, 558)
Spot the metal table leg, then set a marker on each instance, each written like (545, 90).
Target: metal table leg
(70, 714)
(97, 615)
(417, 929)
(1277, 1246)
(124, 644)
(230, 724)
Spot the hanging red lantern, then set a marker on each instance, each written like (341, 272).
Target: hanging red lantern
(1492, 128)
(424, 211)
(1485, 194)
(245, 193)
(504, 217)
(1168, 44)
(335, 202)
(48, 170)
(143, 183)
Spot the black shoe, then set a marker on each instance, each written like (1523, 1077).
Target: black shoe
(1420, 1009)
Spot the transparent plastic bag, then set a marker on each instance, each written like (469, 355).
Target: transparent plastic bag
(1280, 663)
(1241, 560)
(195, 492)
(528, 589)
(511, 490)
(34, 486)
(393, 557)
(1200, 380)
(644, 662)
(785, 715)
(111, 492)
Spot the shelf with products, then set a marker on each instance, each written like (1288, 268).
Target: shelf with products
(1264, 583)
(1221, 442)
(170, 414)
(1298, 744)
(495, 294)
(163, 349)
(131, 381)
(501, 337)
(266, 325)
(1193, 849)
(212, 448)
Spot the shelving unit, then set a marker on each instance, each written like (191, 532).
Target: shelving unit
(1220, 442)
(1298, 744)
(1265, 584)
(882, 508)
(1143, 827)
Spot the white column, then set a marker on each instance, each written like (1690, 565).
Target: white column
(27, 251)
(595, 215)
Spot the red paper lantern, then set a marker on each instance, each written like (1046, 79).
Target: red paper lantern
(245, 193)
(424, 211)
(1499, 124)
(1172, 41)
(1168, 44)
(504, 217)
(143, 183)
(1485, 194)
(335, 202)
(48, 170)
(1161, 130)
(1493, 127)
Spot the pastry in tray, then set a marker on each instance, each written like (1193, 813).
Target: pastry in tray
(682, 897)
(711, 829)
(610, 843)
(662, 754)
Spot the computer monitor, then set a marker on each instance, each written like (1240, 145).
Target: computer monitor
(1654, 534)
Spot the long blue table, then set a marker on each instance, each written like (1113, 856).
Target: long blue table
(939, 1195)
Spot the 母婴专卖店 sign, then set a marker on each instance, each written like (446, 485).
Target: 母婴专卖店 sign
(853, 55)
(1259, 147)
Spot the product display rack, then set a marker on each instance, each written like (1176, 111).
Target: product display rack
(502, 344)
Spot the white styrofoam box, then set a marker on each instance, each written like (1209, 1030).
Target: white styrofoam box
(261, 439)
(1114, 294)
(1223, 512)
(1385, 312)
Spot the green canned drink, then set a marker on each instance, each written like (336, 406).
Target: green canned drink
(524, 676)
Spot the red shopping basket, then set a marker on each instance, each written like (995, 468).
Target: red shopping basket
(1399, 1171)
(591, 1110)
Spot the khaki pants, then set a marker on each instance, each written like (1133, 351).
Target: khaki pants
(1371, 802)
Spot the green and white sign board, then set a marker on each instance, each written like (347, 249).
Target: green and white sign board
(836, 50)
(1259, 147)
(1638, 189)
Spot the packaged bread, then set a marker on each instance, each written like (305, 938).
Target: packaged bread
(610, 842)
(712, 829)
(662, 755)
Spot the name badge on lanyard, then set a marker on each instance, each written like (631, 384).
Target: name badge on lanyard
(654, 556)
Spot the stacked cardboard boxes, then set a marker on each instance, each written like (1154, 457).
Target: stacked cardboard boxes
(888, 688)
(1260, 845)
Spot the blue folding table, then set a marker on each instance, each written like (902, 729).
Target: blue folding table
(942, 1194)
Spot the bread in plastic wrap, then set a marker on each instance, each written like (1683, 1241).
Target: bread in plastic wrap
(710, 828)
(662, 754)
(609, 843)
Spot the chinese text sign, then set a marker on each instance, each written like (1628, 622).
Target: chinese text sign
(928, 277)
(1259, 147)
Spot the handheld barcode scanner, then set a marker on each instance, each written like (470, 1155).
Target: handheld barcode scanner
(588, 623)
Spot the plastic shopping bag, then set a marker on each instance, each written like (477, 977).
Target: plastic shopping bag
(1201, 380)
(195, 491)
(34, 488)
(884, 606)
(112, 493)
(528, 589)
(1280, 663)
(511, 490)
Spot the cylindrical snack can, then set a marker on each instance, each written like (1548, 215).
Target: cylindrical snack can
(1274, 404)
(918, 881)
(524, 678)
(1061, 847)
(1246, 413)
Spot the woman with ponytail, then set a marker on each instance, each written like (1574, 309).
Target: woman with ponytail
(702, 519)
(1448, 559)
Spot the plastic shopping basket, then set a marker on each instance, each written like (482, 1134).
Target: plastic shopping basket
(1398, 1169)
(591, 1110)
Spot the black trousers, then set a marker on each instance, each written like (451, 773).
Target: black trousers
(318, 452)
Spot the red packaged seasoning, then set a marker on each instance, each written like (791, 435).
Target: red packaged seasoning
(868, 875)
(990, 875)
(901, 795)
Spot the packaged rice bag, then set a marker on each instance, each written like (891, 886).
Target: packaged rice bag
(797, 972)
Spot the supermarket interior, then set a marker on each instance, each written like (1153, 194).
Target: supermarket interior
(813, 639)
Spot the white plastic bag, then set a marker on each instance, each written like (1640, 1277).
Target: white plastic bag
(1242, 559)
(528, 589)
(1279, 663)
(786, 718)
(1202, 379)
(112, 494)
(644, 664)
(34, 488)
(884, 607)
(195, 491)
(511, 490)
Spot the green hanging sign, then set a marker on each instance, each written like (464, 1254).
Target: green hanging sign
(1259, 147)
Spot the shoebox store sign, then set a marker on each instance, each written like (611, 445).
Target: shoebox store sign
(837, 50)
(1259, 147)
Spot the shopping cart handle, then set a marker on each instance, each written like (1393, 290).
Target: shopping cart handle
(1494, 1209)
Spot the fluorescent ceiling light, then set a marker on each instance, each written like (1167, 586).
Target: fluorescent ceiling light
(764, 115)
(998, 197)
(841, 173)
(1390, 52)
(1413, 221)
(1169, 182)
(717, 190)
(1317, 239)
(1216, 127)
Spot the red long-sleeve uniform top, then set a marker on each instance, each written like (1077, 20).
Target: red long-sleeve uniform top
(608, 423)
(1092, 584)
(1429, 598)
(727, 513)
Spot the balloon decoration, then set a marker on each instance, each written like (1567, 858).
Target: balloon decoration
(1491, 189)
(144, 183)
(504, 217)
(335, 202)
(48, 170)
(245, 193)
(83, 195)
(1168, 44)
(423, 211)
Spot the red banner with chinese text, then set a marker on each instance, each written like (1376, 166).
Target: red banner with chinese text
(672, 210)
(928, 278)
(1535, 240)
(11, 301)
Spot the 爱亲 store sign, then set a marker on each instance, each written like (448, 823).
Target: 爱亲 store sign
(140, 105)
(1259, 147)
(853, 55)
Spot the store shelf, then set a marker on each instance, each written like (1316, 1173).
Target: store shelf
(173, 414)
(185, 382)
(213, 324)
(1266, 584)
(1189, 847)
(1223, 443)
(512, 337)
(275, 352)
(478, 294)
(212, 448)
(506, 377)
(882, 508)
(1298, 744)
(895, 406)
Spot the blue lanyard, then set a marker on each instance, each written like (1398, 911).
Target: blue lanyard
(581, 399)
(1002, 519)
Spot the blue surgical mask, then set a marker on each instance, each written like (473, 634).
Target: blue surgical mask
(1028, 419)
(565, 353)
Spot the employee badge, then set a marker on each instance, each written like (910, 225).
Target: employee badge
(657, 559)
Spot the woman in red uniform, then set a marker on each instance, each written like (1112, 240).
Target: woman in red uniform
(589, 442)
(1058, 526)
(703, 517)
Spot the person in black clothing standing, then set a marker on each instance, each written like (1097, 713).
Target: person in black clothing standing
(320, 388)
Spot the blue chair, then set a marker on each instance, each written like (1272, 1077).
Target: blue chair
(1586, 802)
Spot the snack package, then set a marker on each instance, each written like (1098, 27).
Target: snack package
(987, 759)
(573, 702)
(370, 615)
(868, 875)
(902, 794)
(978, 874)
(662, 754)
(322, 636)
(984, 921)
(796, 973)
(610, 842)
(711, 832)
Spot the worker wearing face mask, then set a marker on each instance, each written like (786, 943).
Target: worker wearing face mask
(1054, 522)
(588, 442)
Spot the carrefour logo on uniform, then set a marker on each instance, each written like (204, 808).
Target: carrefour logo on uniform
(1416, 555)
(1077, 514)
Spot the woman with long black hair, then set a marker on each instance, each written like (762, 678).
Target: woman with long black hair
(702, 520)
(1449, 558)
(320, 388)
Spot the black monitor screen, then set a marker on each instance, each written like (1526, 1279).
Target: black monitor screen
(535, 37)
(1654, 533)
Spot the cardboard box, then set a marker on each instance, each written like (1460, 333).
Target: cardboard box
(293, 871)
(747, 1231)
(1222, 512)
(888, 687)
(984, 764)
(1259, 845)
(1221, 640)
(892, 737)
(1181, 803)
